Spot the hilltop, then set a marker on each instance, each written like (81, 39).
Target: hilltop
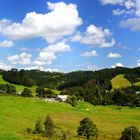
(60, 81)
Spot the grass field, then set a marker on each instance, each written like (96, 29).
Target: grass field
(119, 81)
(18, 113)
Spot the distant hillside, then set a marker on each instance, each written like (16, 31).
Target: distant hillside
(18, 87)
(119, 82)
(61, 81)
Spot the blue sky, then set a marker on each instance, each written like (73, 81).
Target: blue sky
(69, 35)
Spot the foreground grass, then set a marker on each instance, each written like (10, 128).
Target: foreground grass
(119, 82)
(18, 113)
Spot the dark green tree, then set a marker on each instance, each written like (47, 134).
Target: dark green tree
(40, 91)
(26, 93)
(49, 127)
(72, 100)
(38, 127)
(130, 133)
(88, 129)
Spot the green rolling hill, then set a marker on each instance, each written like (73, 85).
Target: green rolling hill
(119, 81)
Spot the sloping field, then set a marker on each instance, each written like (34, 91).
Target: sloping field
(20, 88)
(119, 81)
(18, 113)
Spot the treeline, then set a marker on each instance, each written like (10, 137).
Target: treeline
(129, 96)
(61, 81)
(18, 77)
(7, 89)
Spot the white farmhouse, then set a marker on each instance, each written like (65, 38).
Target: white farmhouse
(62, 98)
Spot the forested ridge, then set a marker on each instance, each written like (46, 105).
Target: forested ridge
(94, 87)
(67, 80)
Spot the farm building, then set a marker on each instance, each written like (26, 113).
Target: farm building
(62, 98)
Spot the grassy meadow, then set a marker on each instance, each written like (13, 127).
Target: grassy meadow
(18, 113)
(119, 81)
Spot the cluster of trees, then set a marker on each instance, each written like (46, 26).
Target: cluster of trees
(6, 88)
(91, 86)
(86, 129)
(47, 129)
(42, 93)
(61, 81)
(97, 95)
(129, 96)
(18, 77)
(26, 93)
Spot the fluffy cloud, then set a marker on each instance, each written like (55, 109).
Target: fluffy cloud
(118, 64)
(13, 58)
(41, 68)
(6, 43)
(61, 21)
(48, 54)
(114, 55)
(4, 66)
(104, 2)
(90, 54)
(23, 58)
(138, 64)
(118, 12)
(132, 23)
(128, 7)
(95, 36)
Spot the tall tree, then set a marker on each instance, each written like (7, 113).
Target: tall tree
(49, 127)
(38, 126)
(88, 129)
(130, 133)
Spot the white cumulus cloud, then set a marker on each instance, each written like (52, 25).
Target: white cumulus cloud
(90, 54)
(114, 55)
(6, 43)
(48, 54)
(118, 64)
(62, 20)
(23, 58)
(104, 2)
(95, 36)
(132, 23)
(4, 66)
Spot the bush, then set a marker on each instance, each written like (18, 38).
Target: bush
(26, 93)
(130, 133)
(88, 129)
(72, 100)
(29, 130)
